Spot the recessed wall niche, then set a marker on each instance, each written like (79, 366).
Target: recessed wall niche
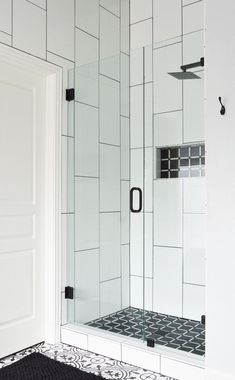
(181, 161)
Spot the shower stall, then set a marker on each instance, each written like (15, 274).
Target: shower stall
(136, 239)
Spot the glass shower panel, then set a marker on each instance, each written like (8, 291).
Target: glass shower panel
(101, 268)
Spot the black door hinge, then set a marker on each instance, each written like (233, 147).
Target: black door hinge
(70, 94)
(203, 319)
(150, 342)
(69, 292)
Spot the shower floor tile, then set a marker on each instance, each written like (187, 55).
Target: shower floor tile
(180, 333)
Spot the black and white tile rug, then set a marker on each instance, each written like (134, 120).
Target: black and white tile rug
(174, 332)
(87, 361)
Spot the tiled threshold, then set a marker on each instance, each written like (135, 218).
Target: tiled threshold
(160, 359)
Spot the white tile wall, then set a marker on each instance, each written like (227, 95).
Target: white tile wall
(125, 81)
(60, 40)
(137, 286)
(194, 109)
(167, 19)
(5, 38)
(168, 213)
(67, 250)
(195, 195)
(86, 292)
(167, 90)
(67, 147)
(193, 47)
(148, 180)
(193, 310)
(125, 212)
(29, 36)
(110, 259)
(148, 109)
(112, 5)
(138, 12)
(87, 84)
(168, 128)
(193, 17)
(5, 16)
(148, 244)
(109, 44)
(125, 258)
(136, 240)
(86, 141)
(167, 297)
(136, 65)
(109, 111)
(110, 296)
(137, 167)
(87, 48)
(194, 248)
(109, 178)
(136, 116)
(125, 28)
(141, 34)
(86, 213)
(125, 145)
(87, 16)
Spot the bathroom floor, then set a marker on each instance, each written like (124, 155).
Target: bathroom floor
(182, 334)
(87, 361)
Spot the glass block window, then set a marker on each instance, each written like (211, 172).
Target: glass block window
(183, 161)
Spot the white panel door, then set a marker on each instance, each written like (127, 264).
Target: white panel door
(22, 210)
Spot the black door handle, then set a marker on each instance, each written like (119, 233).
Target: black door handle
(133, 189)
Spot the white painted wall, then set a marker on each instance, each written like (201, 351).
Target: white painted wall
(220, 131)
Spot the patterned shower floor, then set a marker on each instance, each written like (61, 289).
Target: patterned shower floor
(180, 333)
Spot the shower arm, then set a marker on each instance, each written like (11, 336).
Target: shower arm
(192, 65)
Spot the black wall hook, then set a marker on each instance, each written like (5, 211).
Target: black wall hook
(223, 110)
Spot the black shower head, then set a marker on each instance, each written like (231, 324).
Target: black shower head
(184, 74)
(181, 75)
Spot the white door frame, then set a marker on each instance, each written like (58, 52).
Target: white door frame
(53, 99)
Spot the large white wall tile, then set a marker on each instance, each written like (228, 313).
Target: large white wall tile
(148, 244)
(193, 301)
(194, 122)
(110, 296)
(112, 5)
(125, 258)
(136, 67)
(29, 35)
(86, 213)
(125, 26)
(5, 16)
(167, 90)
(136, 241)
(87, 285)
(67, 173)
(110, 246)
(137, 291)
(87, 84)
(87, 16)
(87, 48)
(193, 47)
(148, 177)
(5, 38)
(140, 11)
(125, 212)
(168, 212)
(181, 370)
(67, 250)
(125, 85)
(137, 168)
(60, 27)
(148, 113)
(109, 111)
(86, 140)
(193, 17)
(168, 128)
(194, 248)
(167, 19)
(136, 116)
(40, 3)
(195, 195)
(167, 297)
(125, 148)
(141, 34)
(109, 44)
(109, 178)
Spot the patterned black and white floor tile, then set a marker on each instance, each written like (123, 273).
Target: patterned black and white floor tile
(87, 361)
(182, 334)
